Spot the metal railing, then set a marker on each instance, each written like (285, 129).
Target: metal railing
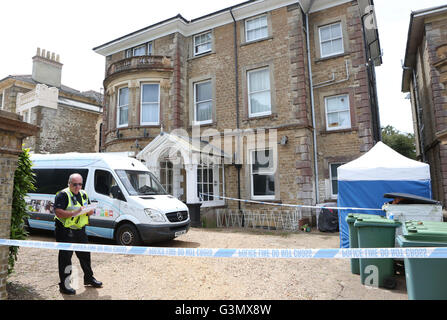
(258, 219)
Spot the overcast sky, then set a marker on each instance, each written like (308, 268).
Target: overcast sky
(72, 28)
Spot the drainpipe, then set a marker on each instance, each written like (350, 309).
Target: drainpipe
(236, 76)
(377, 134)
(418, 111)
(312, 101)
(419, 116)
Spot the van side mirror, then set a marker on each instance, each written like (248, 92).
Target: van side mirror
(120, 195)
(117, 193)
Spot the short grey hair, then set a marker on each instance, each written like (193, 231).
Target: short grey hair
(70, 179)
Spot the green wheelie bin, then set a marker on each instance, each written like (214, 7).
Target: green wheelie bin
(425, 277)
(377, 233)
(421, 225)
(353, 236)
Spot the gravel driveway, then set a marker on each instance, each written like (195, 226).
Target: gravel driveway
(183, 278)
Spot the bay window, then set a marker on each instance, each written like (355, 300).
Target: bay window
(123, 107)
(150, 104)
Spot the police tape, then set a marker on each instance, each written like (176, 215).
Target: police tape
(289, 205)
(367, 253)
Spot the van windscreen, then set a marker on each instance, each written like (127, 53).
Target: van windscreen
(139, 183)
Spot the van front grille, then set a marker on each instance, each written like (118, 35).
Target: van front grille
(177, 216)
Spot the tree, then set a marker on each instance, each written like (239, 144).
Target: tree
(403, 143)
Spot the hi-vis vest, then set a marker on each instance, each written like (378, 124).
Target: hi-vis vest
(74, 222)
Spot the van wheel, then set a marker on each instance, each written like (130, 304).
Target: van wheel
(127, 235)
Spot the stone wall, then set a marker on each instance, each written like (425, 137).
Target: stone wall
(436, 35)
(10, 97)
(350, 78)
(64, 129)
(12, 132)
(431, 68)
(8, 164)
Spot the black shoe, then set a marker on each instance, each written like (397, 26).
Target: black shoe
(63, 289)
(93, 282)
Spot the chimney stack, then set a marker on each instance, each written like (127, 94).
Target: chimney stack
(47, 68)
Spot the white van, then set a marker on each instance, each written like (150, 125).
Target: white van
(132, 206)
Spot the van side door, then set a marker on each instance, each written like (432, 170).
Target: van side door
(108, 196)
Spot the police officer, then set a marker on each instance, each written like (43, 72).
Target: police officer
(71, 228)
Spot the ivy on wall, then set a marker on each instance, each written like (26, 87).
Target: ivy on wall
(23, 183)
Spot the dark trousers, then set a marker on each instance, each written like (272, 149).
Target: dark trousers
(72, 236)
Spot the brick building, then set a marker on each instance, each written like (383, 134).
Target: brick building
(280, 93)
(425, 77)
(62, 113)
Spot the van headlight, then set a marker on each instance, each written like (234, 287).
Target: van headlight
(154, 215)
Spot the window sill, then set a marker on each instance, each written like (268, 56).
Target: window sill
(255, 41)
(265, 200)
(208, 124)
(132, 127)
(272, 116)
(201, 55)
(348, 130)
(335, 56)
(213, 204)
(155, 125)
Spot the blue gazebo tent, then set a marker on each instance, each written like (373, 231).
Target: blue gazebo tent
(363, 182)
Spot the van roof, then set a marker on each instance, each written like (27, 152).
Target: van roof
(79, 160)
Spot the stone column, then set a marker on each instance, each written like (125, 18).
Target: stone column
(12, 133)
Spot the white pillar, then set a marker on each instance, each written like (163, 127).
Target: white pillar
(177, 179)
(191, 183)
